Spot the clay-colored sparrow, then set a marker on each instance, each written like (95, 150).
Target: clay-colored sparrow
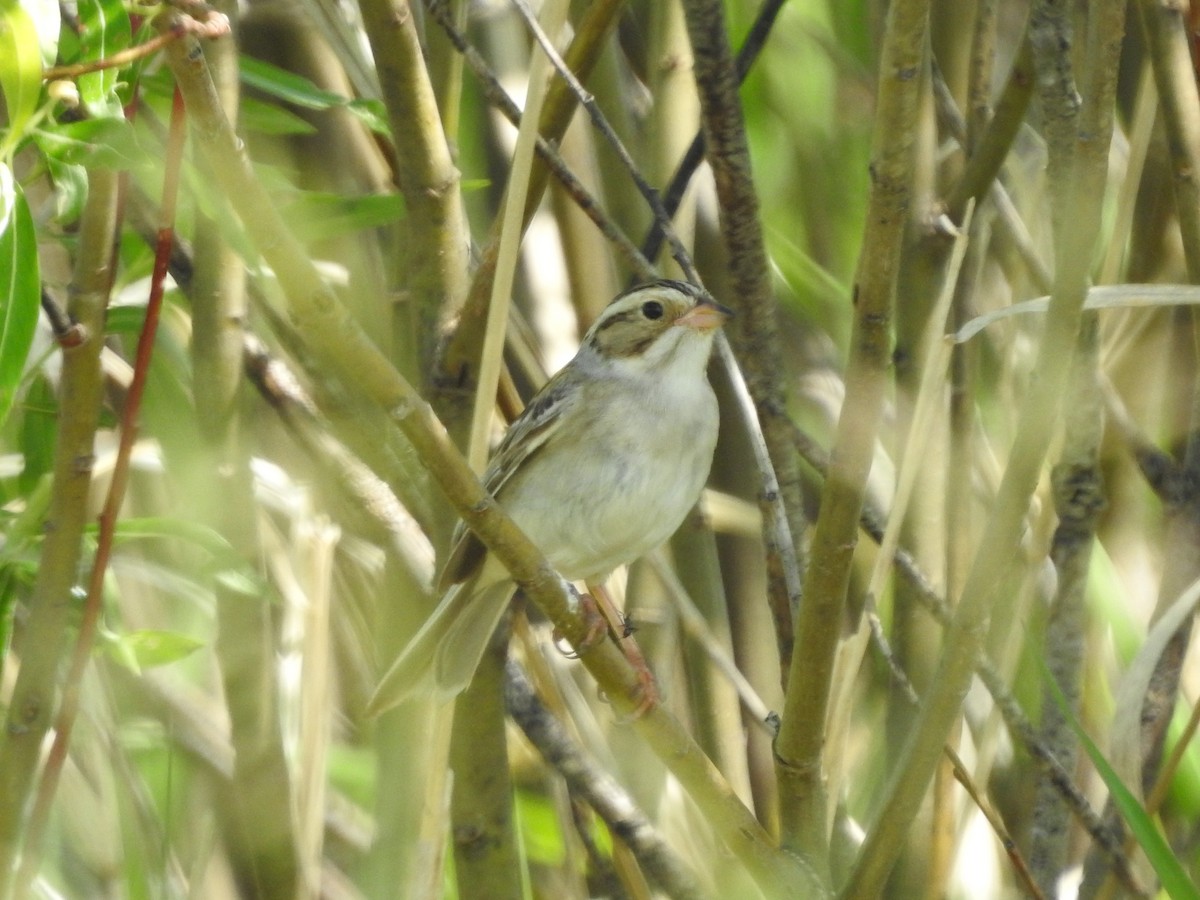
(601, 467)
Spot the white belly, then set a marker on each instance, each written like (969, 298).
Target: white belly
(589, 519)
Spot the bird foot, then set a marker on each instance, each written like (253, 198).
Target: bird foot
(645, 693)
(597, 627)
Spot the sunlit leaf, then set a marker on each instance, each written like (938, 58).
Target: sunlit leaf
(20, 287)
(105, 31)
(149, 647)
(20, 69)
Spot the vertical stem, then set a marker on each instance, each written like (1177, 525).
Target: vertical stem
(486, 861)
(436, 239)
(1166, 36)
(50, 605)
(256, 810)
(1078, 500)
(801, 737)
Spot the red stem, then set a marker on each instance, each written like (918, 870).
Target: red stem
(112, 503)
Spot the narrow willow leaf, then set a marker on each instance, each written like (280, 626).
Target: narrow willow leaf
(20, 287)
(108, 143)
(1105, 296)
(20, 70)
(148, 648)
(267, 118)
(105, 30)
(316, 216)
(146, 527)
(299, 91)
(1167, 867)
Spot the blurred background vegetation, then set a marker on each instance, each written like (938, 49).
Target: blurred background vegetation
(185, 683)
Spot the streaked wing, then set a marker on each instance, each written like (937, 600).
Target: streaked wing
(537, 422)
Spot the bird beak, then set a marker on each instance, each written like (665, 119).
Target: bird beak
(705, 316)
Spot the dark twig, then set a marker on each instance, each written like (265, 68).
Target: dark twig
(60, 322)
(605, 795)
(756, 38)
(678, 251)
(499, 98)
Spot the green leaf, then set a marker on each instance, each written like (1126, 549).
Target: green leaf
(267, 118)
(20, 70)
(20, 287)
(1170, 871)
(299, 91)
(105, 30)
(372, 114)
(150, 527)
(39, 427)
(70, 190)
(149, 647)
(317, 216)
(541, 829)
(107, 143)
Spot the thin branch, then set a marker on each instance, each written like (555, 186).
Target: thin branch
(755, 40)
(546, 150)
(602, 792)
(801, 738)
(50, 607)
(1078, 491)
(990, 151)
(84, 641)
(756, 331)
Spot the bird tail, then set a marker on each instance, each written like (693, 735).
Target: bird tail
(440, 661)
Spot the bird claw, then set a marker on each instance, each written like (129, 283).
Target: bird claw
(644, 694)
(600, 621)
(597, 628)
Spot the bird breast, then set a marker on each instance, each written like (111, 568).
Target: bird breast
(614, 489)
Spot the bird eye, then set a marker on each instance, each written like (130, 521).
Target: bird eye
(652, 309)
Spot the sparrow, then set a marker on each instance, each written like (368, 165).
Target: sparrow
(600, 468)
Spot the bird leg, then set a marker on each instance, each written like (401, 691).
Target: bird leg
(646, 693)
(597, 625)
